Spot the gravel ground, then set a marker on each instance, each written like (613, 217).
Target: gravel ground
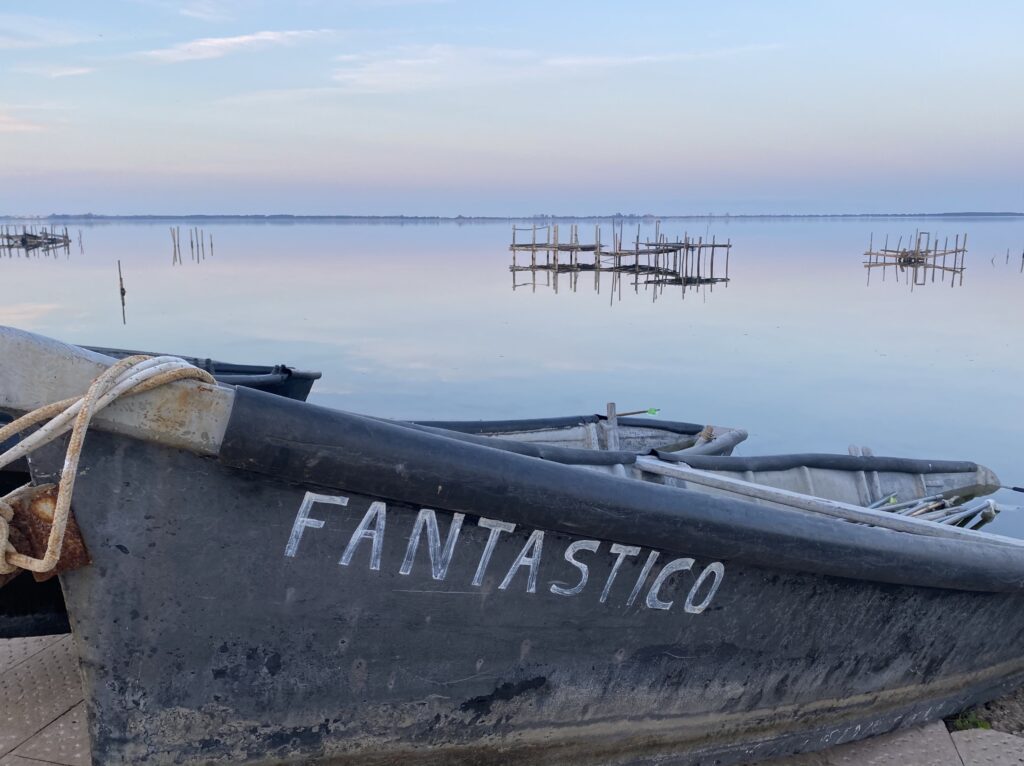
(1005, 714)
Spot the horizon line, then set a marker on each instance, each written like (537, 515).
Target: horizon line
(270, 217)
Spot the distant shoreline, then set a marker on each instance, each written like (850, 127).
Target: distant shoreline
(541, 218)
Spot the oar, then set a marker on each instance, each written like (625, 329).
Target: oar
(652, 411)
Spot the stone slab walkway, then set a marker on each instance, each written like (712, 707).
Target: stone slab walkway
(929, 745)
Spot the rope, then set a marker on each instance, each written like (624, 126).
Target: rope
(126, 377)
(6, 516)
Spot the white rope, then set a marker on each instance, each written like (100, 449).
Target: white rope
(61, 424)
(126, 377)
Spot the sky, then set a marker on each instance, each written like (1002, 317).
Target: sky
(427, 107)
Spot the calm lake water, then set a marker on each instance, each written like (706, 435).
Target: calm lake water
(422, 321)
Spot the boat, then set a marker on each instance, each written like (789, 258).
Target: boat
(277, 379)
(272, 581)
(933, 489)
(30, 608)
(611, 432)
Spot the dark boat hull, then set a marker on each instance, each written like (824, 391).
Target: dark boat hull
(27, 609)
(223, 622)
(278, 379)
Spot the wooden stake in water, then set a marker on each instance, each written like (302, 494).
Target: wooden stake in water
(120, 282)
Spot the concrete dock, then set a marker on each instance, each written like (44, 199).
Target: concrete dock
(43, 721)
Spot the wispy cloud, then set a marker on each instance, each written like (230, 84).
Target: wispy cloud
(430, 67)
(206, 10)
(54, 72)
(616, 62)
(19, 32)
(444, 66)
(433, 66)
(281, 95)
(218, 47)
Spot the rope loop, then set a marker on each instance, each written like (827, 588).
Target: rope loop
(6, 515)
(126, 377)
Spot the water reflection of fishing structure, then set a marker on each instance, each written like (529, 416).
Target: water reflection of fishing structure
(197, 239)
(921, 260)
(685, 263)
(33, 240)
(1008, 259)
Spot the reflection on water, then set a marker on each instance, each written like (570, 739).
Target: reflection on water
(654, 265)
(920, 259)
(418, 322)
(120, 284)
(1008, 259)
(197, 244)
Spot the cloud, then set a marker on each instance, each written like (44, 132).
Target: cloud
(205, 10)
(18, 32)
(217, 47)
(54, 72)
(614, 62)
(432, 66)
(281, 95)
(11, 124)
(436, 66)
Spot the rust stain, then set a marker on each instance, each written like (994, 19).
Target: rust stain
(170, 411)
(30, 530)
(176, 407)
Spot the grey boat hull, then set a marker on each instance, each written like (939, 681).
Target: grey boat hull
(274, 582)
(594, 432)
(857, 480)
(223, 622)
(278, 379)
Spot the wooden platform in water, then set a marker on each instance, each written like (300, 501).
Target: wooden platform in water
(33, 240)
(43, 721)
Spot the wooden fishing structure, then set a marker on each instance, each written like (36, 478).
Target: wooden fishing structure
(197, 244)
(662, 262)
(921, 260)
(33, 240)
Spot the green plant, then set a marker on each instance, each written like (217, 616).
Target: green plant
(969, 719)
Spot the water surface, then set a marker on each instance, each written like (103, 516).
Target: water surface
(421, 321)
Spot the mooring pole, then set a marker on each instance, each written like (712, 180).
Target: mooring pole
(120, 282)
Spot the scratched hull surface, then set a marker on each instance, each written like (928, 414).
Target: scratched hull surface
(263, 607)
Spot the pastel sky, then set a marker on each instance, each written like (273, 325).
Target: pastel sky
(423, 107)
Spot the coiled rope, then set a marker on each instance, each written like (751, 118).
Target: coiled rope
(126, 377)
